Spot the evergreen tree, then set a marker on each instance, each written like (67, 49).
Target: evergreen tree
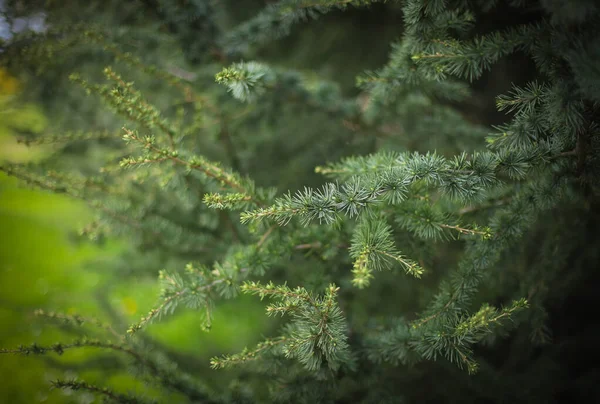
(430, 254)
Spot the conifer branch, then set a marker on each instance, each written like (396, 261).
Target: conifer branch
(463, 230)
(176, 80)
(307, 246)
(42, 183)
(193, 293)
(470, 59)
(60, 348)
(379, 178)
(461, 178)
(78, 320)
(373, 249)
(226, 201)
(170, 378)
(469, 330)
(110, 394)
(277, 19)
(435, 315)
(66, 137)
(246, 81)
(427, 221)
(246, 355)
(317, 333)
(487, 316)
(264, 237)
(199, 163)
(127, 101)
(507, 226)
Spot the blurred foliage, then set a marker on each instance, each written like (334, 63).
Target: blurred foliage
(42, 265)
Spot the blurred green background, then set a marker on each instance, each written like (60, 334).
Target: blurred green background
(42, 266)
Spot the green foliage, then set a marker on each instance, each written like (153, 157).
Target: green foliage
(373, 249)
(278, 18)
(245, 81)
(316, 335)
(189, 182)
(111, 395)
